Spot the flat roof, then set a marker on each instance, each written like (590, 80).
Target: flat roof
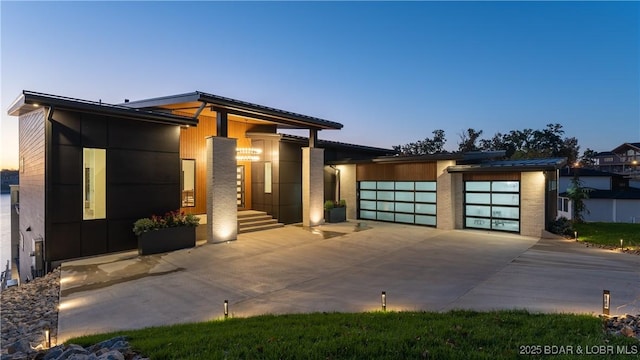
(239, 107)
(511, 165)
(30, 100)
(336, 144)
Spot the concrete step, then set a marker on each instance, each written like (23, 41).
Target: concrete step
(247, 219)
(253, 220)
(247, 229)
(258, 222)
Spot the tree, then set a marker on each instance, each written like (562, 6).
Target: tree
(468, 140)
(577, 193)
(588, 158)
(433, 145)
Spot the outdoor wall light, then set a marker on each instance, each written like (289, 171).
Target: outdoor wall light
(47, 337)
(226, 309)
(384, 301)
(606, 301)
(248, 154)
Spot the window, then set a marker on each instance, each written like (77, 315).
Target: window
(563, 204)
(188, 181)
(94, 180)
(267, 177)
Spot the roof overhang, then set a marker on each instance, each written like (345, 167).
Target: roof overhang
(526, 165)
(29, 101)
(241, 108)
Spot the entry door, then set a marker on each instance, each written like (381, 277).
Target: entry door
(240, 186)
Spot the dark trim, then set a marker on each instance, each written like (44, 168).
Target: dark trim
(222, 124)
(550, 164)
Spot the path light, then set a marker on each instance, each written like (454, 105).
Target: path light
(47, 337)
(575, 234)
(606, 301)
(384, 301)
(226, 309)
(621, 244)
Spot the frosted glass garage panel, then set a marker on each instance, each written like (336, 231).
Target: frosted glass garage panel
(506, 225)
(505, 212)
(404, 207)
(385, 185)
(367, 214)
(425, 197)
(425, 209)
(505, 186)
(471, 222)
(385, 195)
(367, 205)
(471, 198)
(369, 185)
(404, 196)
(385, 206)
(405, 218)
(426, 186)
(367, 194)
(478, 210)
(404, 185)
(478, 186)
(505, 199)
(426, 220)
(385, 216)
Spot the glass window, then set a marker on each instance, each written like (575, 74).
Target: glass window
(505, 186)
(478, 185)
(367, 214)
(404, 207)
(478, 210)
(385, 206)
(367, 204)
(188, 180)
(385, 185)
(404, 218)
(385, 195)
(267, 177)
(505, 212)
(404, 196)
(94, 179)
(478, 223)
(505, 199)
(404, 185)
(506, 225)
(426, 220)
(368, 194)
(426, 186)
(426, 197)
(472, 198)
(425, 209)
(370, 185)
(385, 216)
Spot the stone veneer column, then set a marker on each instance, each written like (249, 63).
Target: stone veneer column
(312, 186)
(445, 196)
(532, 203)
(222, 207)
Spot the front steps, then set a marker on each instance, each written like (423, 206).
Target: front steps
(252, 220)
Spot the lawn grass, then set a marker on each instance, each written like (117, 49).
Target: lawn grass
(609, 234)
(373, 335)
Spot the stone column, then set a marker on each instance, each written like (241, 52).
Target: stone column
(222, 208)
(445, 196)
(312, 186)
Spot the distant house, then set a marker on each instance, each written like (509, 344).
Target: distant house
(624, 160)
(611, 198)
(8, 177)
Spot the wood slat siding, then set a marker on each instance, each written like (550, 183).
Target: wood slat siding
(32, 183)
(423, 171)
(193, 145)
(506, 176)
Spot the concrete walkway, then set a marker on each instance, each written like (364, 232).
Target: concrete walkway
(343, 267)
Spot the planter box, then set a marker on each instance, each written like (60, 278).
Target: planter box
(165, 240)
(335, 215)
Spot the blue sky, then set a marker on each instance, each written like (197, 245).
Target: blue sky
(390, 72)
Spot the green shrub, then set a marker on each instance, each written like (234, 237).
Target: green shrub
(561, 226)
(170, 219)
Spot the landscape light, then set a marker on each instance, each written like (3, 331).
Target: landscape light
(606, 301)
(575, 234)
(226, 309)
(47, 337)
(384, 301)
(621, 244)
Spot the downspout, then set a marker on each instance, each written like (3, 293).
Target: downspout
(337, 182)
(47, 182)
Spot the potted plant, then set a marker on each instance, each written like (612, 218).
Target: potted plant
(335, 211)
(170, 232)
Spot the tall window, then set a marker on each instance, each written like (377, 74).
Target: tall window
(94, 180)
(188, 181)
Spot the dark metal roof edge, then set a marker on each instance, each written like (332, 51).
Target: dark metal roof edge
(163, 100)
(349, 162)
(247, 106)
(297, 138)
(504, 166)
(62, 102)
(418, 158)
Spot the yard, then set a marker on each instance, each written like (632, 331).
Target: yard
(610, 234)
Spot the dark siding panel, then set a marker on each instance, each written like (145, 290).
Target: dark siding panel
(121, 236)
(66, 164)
(94, 131)
(144, 136)
(142, 167)
(66, 203)
(64, 241)
(137, 201)
(65, 128)
(290, 171)
(94, 237)
(506, 176)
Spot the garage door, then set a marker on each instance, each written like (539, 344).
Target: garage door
(492, 205)
(409, 202)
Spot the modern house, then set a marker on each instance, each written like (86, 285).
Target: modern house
(611, 197)
(623, 160)
(88, 170)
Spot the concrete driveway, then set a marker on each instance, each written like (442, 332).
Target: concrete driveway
(343, 267)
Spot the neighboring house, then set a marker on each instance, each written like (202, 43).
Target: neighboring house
(88, 170)
(8, 177)
(624, 160)
(611, 198)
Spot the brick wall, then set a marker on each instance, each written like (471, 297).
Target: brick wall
(532, 203)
